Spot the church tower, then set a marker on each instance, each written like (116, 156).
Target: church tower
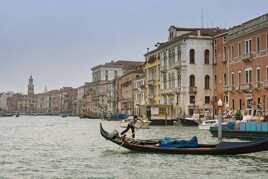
(30, 87)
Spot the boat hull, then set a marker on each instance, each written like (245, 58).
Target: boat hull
(239, 134)
(187, 122)
(151, 146)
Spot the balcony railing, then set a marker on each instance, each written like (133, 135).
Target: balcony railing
(258, 85)
(192, 106)
(192, 89)
(229, 88)
(170, 91)
(246, 87)
(265, 84)
(151, 82)
(247, 57)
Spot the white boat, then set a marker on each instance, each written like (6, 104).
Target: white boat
(205, 125)
(140, 124)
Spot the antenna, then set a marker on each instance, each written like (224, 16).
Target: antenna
(202, 18)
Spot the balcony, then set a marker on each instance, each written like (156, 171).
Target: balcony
(247, 57)
(170, 91)
(177, 65)
(265, 84)
(163, 69)
(192, 106)
(151, 82)
(229, 88)
(193, 89)
(258, 85)
(246, 87)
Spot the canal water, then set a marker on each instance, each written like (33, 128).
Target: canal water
(55, 147)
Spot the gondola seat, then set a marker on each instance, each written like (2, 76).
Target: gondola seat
(168, 142)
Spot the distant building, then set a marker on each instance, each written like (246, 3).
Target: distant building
(100, 96)
(126, 91)
(138, 94)
(4, 100)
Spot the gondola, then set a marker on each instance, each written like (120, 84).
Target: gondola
(152, 146)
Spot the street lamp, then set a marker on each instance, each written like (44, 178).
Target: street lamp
(220, 104)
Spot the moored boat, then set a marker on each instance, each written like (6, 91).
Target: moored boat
(243, 130)
(154, 146)
(205, 125)
(189, 121)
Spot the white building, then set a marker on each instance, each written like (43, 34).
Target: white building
(186, 63)
(138, 93)
(3, 100)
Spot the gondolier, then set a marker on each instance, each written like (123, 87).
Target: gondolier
(131, 125)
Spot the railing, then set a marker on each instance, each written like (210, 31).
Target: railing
(247, 57)
(265, 84)
(246, 87)
(192, 89)
(151, 82)
(258, 84)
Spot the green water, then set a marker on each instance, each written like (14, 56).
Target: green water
(55, 147)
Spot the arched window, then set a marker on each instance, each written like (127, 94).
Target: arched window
(192, 56)
(206, 82)
(206, 56)
(192, 81)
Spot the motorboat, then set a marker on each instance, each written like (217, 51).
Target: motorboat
(206, 124)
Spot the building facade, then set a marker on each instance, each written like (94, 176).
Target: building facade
(138, 94)
(244, 52)
(125, 91)
(185, 71)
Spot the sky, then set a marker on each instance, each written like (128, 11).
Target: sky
(59, 41)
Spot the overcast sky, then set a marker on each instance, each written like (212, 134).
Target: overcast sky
(58, 41)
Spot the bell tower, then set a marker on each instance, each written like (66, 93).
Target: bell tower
(30, 87)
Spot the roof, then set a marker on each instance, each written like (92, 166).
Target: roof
(124, 64)
(203, 32)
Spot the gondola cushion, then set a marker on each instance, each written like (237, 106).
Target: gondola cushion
(168, 142)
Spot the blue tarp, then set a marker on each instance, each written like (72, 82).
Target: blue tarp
(254, 126)
(168, 142)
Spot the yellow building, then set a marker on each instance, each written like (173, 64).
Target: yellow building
(152, 78)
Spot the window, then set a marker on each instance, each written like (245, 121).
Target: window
(258, 45)
(192, 99)
(192, 56)
(258, 75)
(207, 99)
(225, 53)
(267, 42)
(232, 51)
(192, 81)
(115, 73)
(248, 74)
(206, 82)
(247, 47)
(266, 72)
(226, 99)
(240, 104)
(206, 56)
(106, 75)
(239, 49)
(239, 78)
(233, 104)
(225, 79)
(233, 79)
